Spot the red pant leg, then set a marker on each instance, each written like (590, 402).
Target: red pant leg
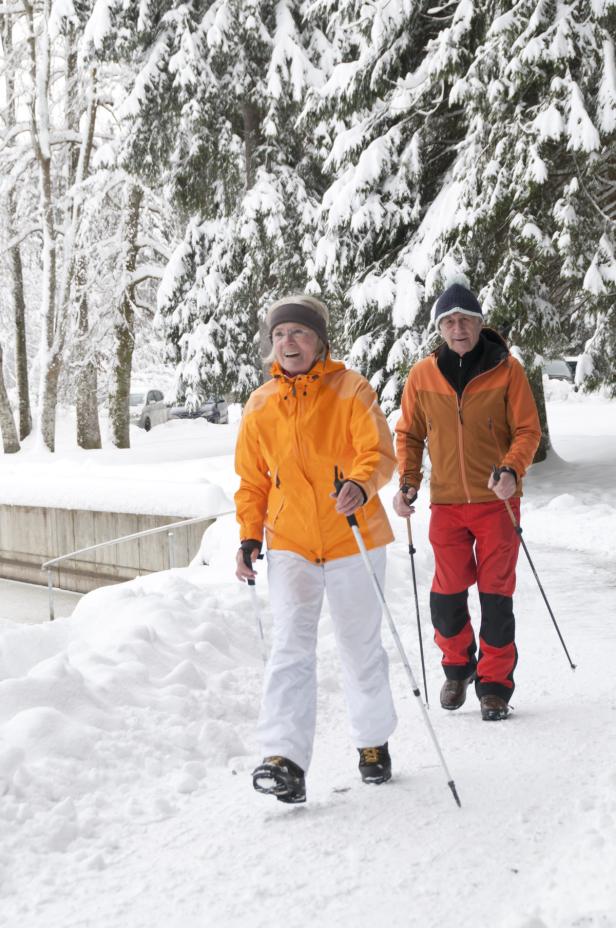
(496, 549)
(455, 571)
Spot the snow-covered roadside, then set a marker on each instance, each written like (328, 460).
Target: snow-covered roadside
(180, 468)
(127, 736)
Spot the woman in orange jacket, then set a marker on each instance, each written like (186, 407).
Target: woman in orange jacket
(312, 416)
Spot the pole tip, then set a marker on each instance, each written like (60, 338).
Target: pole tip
(452, 787)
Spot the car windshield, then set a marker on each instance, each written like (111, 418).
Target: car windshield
(136, 399)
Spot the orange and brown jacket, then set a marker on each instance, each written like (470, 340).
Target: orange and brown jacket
(494, 421)
(294, 431)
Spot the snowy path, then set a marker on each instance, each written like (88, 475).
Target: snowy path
(537, 823)
(127, 735)
(25, 602)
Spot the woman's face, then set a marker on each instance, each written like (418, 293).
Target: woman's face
(295, 347)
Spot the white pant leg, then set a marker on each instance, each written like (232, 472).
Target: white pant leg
(288, 710)
(356, 616)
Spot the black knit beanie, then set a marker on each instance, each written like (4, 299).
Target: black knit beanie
(456, 299)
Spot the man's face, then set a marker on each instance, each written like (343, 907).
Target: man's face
(461, 332)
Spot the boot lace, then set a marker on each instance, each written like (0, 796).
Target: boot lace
(370, 755)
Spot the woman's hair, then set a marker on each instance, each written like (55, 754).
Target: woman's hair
(302, 299)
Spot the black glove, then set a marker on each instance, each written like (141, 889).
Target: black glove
(247, 547)
(404, 489)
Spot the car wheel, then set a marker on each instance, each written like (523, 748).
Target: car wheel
(147, 425)
(214, 418)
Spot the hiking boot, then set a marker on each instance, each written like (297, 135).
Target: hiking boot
(375, 764)
(453, 692)
(280, 777)
(493, 708)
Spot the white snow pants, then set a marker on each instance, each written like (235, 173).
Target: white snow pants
(288, 711)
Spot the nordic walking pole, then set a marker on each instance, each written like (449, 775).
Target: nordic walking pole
(518, 530)
(412, 553)
(338, 481)
(255, 605)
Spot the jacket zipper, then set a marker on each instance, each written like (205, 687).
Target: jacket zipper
(300, 454)
(459, 402)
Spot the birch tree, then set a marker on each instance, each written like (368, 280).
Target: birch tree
(13, 236)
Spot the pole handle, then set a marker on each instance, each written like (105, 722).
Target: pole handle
(338, 484)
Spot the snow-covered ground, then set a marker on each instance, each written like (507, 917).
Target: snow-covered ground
(25, 602)
(127, 738)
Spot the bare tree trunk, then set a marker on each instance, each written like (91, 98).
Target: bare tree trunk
(124, 329)
(15, 265)
(10, 439)
(21, 352)
(86, 403)
(534, 373)
(51, 334)
(251, 133)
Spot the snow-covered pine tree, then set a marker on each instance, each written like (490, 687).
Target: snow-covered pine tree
(215, 104)
(393, 138)
(537, 205)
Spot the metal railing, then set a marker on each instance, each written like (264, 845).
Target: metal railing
(169, 529)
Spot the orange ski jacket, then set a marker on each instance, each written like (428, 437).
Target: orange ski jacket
(494, 421)
(294, 431)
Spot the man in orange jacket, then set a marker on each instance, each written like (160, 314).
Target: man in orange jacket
(471, 404)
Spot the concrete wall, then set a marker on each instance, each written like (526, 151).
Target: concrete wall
(31, 535)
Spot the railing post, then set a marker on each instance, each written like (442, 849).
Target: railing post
(171, 537)
(50, 591)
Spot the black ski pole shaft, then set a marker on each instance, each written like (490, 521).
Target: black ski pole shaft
(518, 530)
(338, 481)
(419, 635)
(255, 606)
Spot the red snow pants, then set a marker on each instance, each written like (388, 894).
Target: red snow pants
(475, 543)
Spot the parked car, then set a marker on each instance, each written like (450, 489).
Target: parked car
(214, 410)
(147, 408)
(558, 369)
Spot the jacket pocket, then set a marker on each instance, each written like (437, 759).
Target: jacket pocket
(492, 432)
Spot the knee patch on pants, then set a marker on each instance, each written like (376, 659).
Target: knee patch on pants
(449, 612)
(497, 619)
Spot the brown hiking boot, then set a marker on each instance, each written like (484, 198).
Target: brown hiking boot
(453, 692)
(493, 708)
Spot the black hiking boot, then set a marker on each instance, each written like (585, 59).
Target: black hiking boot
(375, 764)
(453, 692)
(493, 708)
(280, 777)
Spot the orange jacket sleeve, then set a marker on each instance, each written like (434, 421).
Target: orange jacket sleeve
(523, 421)
(374, 461)
(410, 436)
(251, 498)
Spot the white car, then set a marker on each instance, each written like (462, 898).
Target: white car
(147, 408)
(558, 369)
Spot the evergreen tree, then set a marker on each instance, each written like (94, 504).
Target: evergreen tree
(225, 80)
(392, 138)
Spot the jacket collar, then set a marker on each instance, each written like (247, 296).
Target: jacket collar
(318, 370)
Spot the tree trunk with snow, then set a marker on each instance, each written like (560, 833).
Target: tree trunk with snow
(19, 307)
(534, 372)
(124, 329)
(10, 439)
(251, 133)
(15, 262)
(86, 403)
(51, 335)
